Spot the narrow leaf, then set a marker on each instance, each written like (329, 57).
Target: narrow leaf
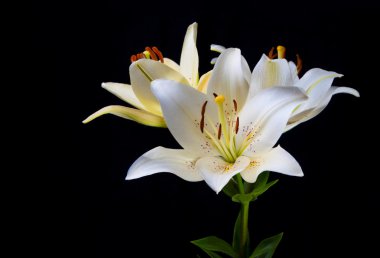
(261, 180)
(231, 188)
(213, 243)
(259, 191)
(212, 254)
(243, 198)
(267, 247)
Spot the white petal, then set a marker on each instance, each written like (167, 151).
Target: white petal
(189, 56)
(182, 108)
(276, 160)
(142, 73)
(229, 78)
(172, 64)
(316, 82)
(314, 76)
(217, 48)
(140, 116)
(216, 172)
(203, 82)
(294, 72)
(159, 159)
(266, 115)
(270, 72)
(298, 118)
(213, 61)
(124, 92)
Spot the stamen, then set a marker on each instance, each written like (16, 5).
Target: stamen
(237, 125)
(151, 53)
(159, 54)
(215, 95)
(271, 54)
(202, 123)
(219, 100)
(281, 52)
(235, 105)
(204, 108)
(299, 63)
(219, 131)
(140, 56)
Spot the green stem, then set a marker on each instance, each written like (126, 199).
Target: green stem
(244, 219)
(244, 228)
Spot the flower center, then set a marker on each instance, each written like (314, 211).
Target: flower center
(149, 53)
(223, 134)
(281, 50)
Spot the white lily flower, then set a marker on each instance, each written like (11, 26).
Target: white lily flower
(221, 132)
(146, 67)
(270, 72)
(316, 83)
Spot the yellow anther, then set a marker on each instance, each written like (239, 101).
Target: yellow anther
(281, 51)
(219, 99)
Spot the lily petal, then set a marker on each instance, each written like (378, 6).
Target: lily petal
(298, 118)
(172, 64)
(270, 72)
(159, 159)
(124, 92)
(276, 160)
(316, 82)
(229, 78)
(182, 108)
(189, 57)
(140, 116)
(203, 82)
(266, 115)
(294, 72)
(216, 172)
(142, 73)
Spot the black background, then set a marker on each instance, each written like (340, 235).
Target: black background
(82, 206)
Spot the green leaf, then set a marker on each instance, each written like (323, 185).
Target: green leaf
(260, 190)
(262, 180)
(243, 198)
(231, 188)
(267, 247)
(212, 254)
(213, 243)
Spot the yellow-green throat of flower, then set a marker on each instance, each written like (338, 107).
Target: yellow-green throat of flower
(223, 134)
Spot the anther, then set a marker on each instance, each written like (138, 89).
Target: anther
(219, 131)
(159, 54)
(237, 125)
(149, 53)
(202, 123)
(215, 95)
(299, 63)
(204, 108)
(281, 51)
(235, 105)
(271, 53)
